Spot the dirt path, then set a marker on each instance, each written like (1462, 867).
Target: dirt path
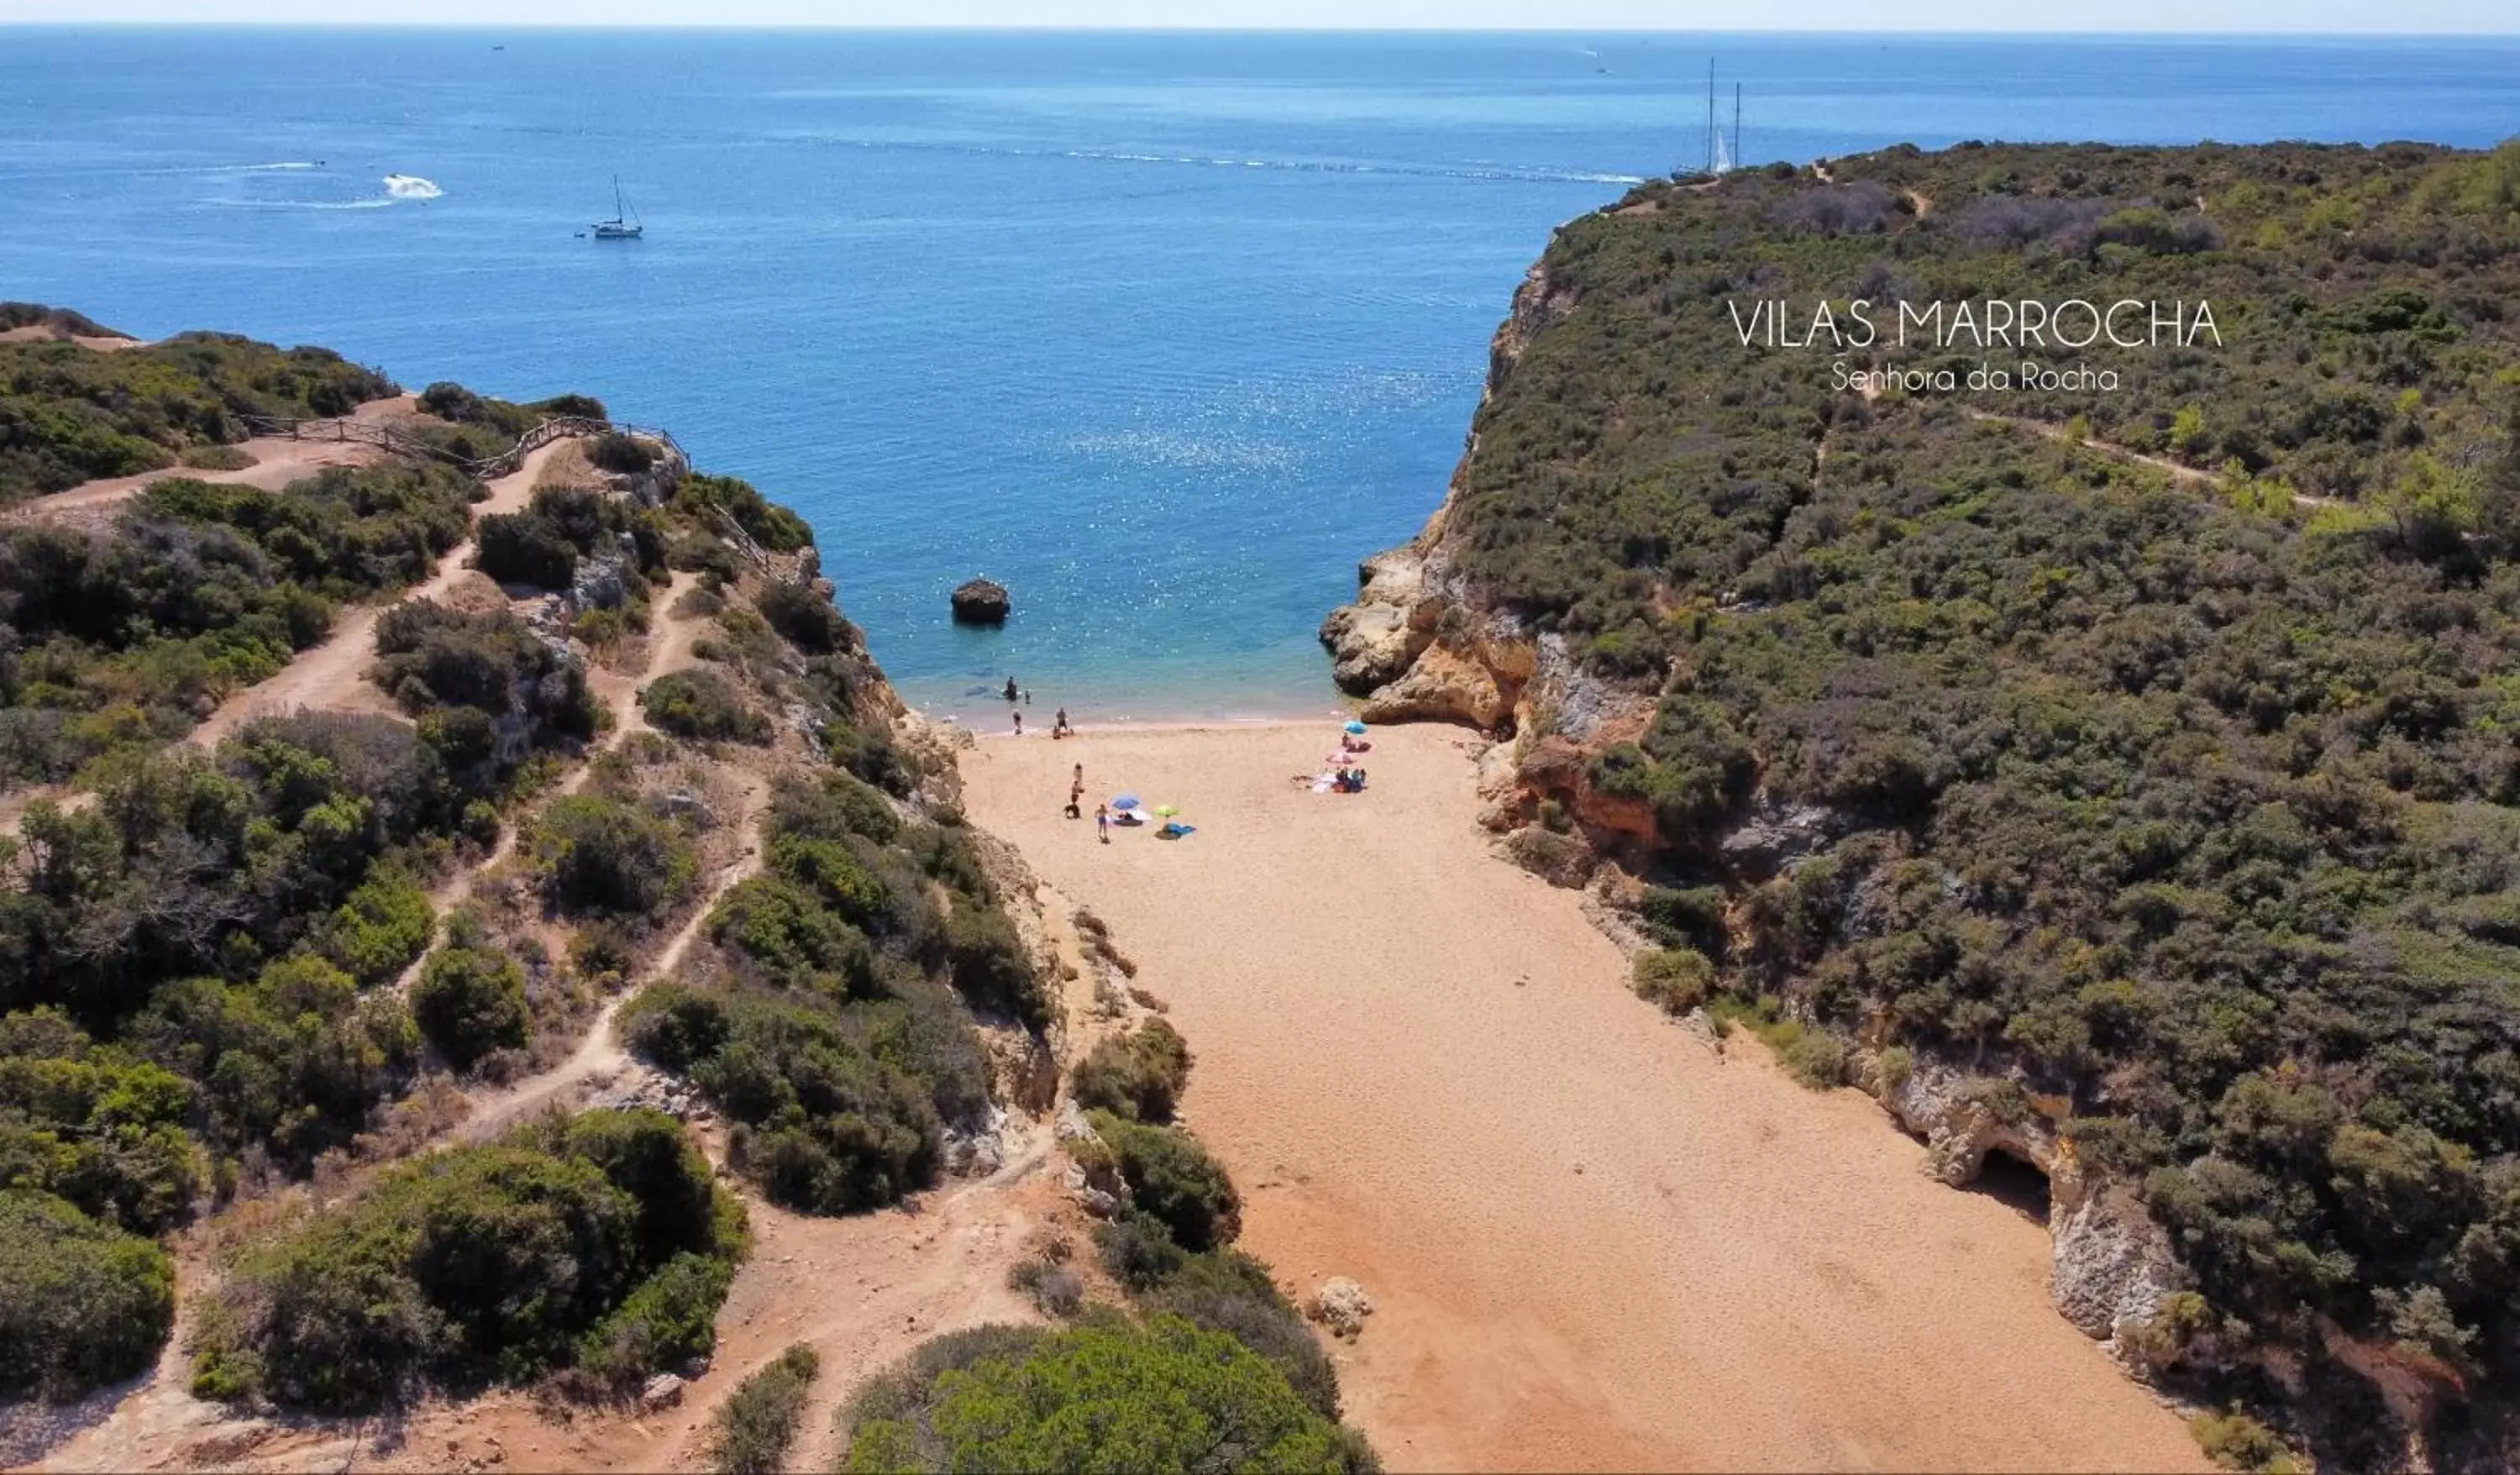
(2191, 475)
(599, 1057)
(1592, 1242)
(278, 460)
(332, 675)
(668, 648)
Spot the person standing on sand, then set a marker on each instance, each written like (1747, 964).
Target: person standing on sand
(1102, 821)
(1020, 724)
(1076, 792)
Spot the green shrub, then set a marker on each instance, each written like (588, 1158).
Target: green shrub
(381, 929)
(1166, 1395)
(988, 963)
(81, 1303)
(1810, 1056)
(1171, 1177)
(788, 938)
(750, 1432)
(1229, 1291)
(822, 1124)
(95, 1126)
(807, 619)
(477, 1265)
(1676, 979)
(703, 705)
(1138, 1250)
(767, 524)
(469, 1002)
(2236, 1441)
(1139, 1075)
(601, 855)
(614, 451)
(215, 458)
(668, 1320)
(432, 657)
(518, 548)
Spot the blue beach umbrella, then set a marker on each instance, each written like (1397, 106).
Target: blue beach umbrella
(1357, 727)
(1125, 801)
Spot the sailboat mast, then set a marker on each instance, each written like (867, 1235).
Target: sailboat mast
(1737, 126)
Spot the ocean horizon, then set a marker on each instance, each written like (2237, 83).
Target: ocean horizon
(1165, 331)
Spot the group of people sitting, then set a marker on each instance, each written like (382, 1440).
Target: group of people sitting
(1347, 781)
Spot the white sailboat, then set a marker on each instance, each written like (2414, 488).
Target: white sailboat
(624, 224)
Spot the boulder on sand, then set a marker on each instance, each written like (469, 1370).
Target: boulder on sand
(1342, 1306)
(982, 601)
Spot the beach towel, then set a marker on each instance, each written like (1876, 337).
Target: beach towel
(1175, 831)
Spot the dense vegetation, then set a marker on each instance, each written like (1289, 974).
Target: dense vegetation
(566, 525)
(837, 1035)
(81, 1303)
(117, 639)
(596, 1245)
(2187, 799)
(70, 414)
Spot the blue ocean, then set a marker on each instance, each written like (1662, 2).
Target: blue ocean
(1164, 331)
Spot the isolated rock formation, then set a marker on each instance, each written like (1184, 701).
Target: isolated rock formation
(1341, 1305)
(982, 601)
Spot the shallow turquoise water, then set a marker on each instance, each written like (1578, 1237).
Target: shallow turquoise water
(1164, 331)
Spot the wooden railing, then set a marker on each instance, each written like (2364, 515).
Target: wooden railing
(345, 430)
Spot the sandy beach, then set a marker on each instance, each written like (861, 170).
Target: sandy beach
(1592, 1242)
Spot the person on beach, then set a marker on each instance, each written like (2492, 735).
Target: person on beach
(1059, 727)
(1075, 792)
(1013, 691)
(1102, 821)
(1020, 724)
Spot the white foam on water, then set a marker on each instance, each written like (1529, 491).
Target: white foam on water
(411, 186)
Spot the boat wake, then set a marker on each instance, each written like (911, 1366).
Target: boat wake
(411, 186)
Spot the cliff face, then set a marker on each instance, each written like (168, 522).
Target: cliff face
(1424, 641)
(1892, 703)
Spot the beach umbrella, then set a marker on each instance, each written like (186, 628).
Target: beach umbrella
(1168, 810)
(1125, 801)
(1357, 727)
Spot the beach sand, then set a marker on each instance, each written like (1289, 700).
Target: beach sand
(1592, 1242)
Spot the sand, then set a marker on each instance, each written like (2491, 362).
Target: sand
(1594, 1242)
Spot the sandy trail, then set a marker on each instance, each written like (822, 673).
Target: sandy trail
(2191, 475)
(600, 1056)
(278, 460)
(332, 675)
(1594, 1242)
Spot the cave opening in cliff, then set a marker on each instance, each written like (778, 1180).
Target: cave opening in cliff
(2013, 1182)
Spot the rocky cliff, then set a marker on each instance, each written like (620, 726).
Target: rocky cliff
(1894, 704)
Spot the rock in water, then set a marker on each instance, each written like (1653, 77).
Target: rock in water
(982, 601)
